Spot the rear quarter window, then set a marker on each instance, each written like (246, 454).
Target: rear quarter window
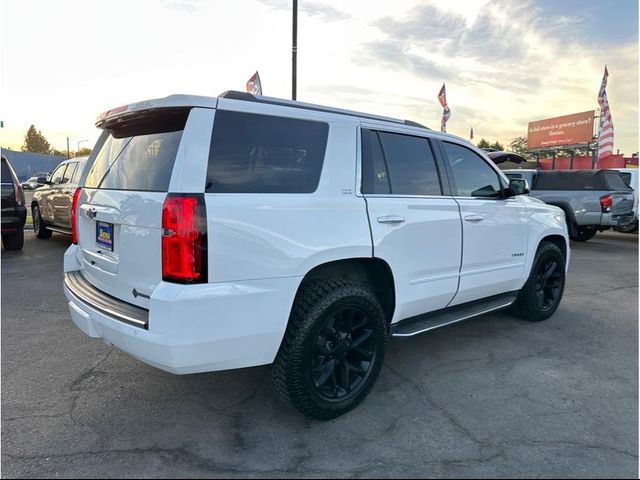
(252, 153)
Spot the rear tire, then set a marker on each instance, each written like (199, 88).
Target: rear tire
(629, 228)
(584, 234)
(540, 296)
(14, 241)
(333, 349)
(39, 226)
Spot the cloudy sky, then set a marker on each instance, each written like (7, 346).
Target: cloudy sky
(505, 62)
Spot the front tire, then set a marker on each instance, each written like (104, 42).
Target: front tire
(39, 226)
(333, 348)
(541, 295)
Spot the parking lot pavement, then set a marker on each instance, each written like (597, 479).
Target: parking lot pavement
(494, 396)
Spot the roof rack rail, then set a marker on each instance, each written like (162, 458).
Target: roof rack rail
(248, 97)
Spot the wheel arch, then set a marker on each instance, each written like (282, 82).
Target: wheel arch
(371, 271)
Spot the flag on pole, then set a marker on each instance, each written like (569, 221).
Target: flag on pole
(253, 84)
(471, 134)
(605, 132)
(446, 113)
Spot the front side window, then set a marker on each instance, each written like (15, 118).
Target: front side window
(472, 176)
(57, 175)
(252, 153)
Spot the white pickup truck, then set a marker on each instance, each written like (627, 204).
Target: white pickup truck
(228, 232)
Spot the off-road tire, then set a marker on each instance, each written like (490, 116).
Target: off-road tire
(526, 305)
(314, 304)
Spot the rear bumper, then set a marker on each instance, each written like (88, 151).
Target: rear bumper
(617, 220)
(196, 328)
(13, 219)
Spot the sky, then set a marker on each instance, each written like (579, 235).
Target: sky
(505, 62)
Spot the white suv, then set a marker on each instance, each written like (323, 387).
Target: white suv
(219, 233)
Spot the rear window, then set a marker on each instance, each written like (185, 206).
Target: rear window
(253, 153)
(626, 176)
(6, 174)
(614, 181)
(140, 154)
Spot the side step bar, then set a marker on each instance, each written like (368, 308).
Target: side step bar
(447, 316)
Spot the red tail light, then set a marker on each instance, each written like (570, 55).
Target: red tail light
(74, 216)
(605, 203)
(184, 239)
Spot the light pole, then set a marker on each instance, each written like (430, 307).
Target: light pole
(294, 50)
(79, 142)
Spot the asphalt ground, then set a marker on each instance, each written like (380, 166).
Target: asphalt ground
(490, 397)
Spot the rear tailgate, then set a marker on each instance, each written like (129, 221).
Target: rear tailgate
(120, 205)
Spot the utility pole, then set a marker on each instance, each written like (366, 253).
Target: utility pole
(68, 154)
(294, 51)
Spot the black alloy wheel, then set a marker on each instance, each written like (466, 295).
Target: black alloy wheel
(548, 284)
(343, 354)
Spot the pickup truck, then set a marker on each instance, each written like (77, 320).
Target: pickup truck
(592, 200)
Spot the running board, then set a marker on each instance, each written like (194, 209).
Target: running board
(59, 230)
(447, 316)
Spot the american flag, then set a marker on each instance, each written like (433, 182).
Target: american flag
(605, 134)
(253, 84)
(446, 113)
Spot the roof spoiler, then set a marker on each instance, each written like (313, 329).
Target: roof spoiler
(501, 157)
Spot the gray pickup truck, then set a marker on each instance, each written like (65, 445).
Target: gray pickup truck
(592, 200)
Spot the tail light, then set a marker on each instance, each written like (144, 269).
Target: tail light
(605, 203)
(74, 216)
(184, 239)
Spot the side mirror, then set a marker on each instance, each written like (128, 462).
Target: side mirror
(519, 186)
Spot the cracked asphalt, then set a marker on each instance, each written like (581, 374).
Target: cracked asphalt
(490, 397)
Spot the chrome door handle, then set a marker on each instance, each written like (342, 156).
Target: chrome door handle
(474, 218)
(391, 219)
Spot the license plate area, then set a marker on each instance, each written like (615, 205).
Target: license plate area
(104, 235)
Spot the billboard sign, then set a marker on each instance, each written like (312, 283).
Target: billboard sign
(560, 131)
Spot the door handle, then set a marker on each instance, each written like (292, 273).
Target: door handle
(474, 218)
(391, 219)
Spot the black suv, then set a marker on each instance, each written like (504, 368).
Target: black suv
(14, 212)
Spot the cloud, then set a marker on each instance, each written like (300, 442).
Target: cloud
(324, 12)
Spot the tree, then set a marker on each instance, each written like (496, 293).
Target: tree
(35, 142)
(59, 153)
(485, 144)
(83, 152)
(519, 145)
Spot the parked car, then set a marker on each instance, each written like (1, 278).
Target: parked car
(593, 200)
(630, 176)
(51, 204)
(14, 212)
(36, 180)
(229, 232)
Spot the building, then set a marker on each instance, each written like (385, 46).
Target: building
(27, 163)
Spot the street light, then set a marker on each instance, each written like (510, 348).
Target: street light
(79, 142)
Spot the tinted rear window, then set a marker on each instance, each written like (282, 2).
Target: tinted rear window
(253, 153)
(626, 176)
(614, 181)
(139, 155)
(6, 174)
